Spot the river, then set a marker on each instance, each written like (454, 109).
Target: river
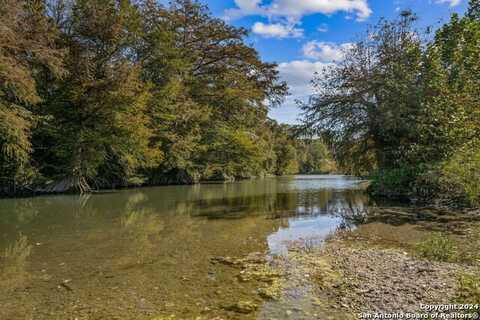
(147, 253)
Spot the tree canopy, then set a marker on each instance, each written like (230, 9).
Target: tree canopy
(406, 109)
(115, 93)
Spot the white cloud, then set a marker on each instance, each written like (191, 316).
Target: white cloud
(452, 3)
(276, 30)
(294, 10)
(248, 5)
(298, 74)
(323, 28)
(325, 51)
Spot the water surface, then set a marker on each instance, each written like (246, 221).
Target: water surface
(143, 253)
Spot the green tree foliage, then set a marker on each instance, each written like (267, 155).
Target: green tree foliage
(315, 157)
(177, 119)
(147, 95)
(232, 154)
(26, 47)
(461, 173)
(209, 93)
(285, 150)
(291, 152)
(473, 12)
(96, 129)
(358, 103)
(406, 110)
(450, 126)
(452, 87)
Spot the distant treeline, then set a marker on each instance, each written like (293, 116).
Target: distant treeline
(115, 93)
(404, 108)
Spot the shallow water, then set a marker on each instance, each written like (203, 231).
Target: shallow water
(144, 253)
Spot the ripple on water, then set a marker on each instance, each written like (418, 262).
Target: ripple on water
(147, 252)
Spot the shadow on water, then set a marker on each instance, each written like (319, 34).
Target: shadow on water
(427, 219)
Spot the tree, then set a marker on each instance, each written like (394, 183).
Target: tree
(96, 129)
(452, 88)
(148, 95)
(27, 45)
(411, 108)
(231, 154)
(450, 126)
(203, 77)
(474, 10)
(284, 154)
(316, 157)
(368, 104)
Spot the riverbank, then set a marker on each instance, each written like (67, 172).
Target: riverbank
(382, 280)
(437, 187)
(423, 256)
(53, 189)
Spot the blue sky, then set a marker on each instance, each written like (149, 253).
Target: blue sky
(304, 35)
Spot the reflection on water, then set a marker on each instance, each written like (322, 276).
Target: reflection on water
(14, 259)
(332, 182)
(136, 254)
(309, 231)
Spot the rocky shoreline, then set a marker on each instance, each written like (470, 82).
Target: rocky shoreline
(384, 280)
(349, 275)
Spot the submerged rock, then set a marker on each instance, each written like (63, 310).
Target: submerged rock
(270, 293)
(226, 261)
(244, 307)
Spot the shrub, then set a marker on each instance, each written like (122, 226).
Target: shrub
(462, 173)
(436, 247)
(396, 181)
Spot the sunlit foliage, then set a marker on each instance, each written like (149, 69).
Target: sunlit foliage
(406, 110)
(116, 93)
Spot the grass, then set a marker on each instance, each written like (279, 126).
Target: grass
(469, 288)
(437, 247)
(440, 247)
